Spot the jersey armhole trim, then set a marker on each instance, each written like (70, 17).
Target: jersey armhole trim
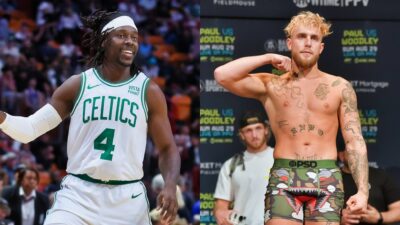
(144, 97)
(82, 89)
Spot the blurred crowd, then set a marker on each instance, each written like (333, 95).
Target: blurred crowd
(40, 48)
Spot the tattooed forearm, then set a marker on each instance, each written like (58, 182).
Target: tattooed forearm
(353, 126)
(358, 163)
(322, 91)
(349, 99)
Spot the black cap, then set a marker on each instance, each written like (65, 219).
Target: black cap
(252, 117)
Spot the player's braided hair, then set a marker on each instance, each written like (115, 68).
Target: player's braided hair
(93, 37)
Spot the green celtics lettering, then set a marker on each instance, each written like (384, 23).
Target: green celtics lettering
(109, 108)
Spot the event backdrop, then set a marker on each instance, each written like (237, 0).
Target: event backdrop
(363, 48)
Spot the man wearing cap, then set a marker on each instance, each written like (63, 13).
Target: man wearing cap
(112, 106)
(243, 178)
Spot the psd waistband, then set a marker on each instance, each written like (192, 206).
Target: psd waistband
(109, 182)
(317, 164)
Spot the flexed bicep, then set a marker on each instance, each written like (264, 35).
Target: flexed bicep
(236, 75)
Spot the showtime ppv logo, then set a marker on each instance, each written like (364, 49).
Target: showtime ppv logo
(334, 3)
(276, 45)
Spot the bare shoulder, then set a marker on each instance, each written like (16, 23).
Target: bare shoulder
(342, 87)
(337, 82)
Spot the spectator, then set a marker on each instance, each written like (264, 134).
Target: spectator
(384, 196)
(33, 97)
(28, 206)
(244, 173)
(4, 212)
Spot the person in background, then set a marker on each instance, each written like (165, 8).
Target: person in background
(4, 212)
(243, 178)
(384, 195)
(28, 206)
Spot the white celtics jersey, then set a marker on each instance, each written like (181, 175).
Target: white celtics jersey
(108, 129)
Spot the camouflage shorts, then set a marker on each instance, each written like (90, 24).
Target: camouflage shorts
(312, 190)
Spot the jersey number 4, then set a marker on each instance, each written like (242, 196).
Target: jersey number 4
(104, 142)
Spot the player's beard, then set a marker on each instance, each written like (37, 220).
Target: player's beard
(305, 63)
(256, 144)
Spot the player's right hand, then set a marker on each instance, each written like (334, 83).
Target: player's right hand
(281, 62)
(222, 217)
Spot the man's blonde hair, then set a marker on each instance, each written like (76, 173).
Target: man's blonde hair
(309, 19)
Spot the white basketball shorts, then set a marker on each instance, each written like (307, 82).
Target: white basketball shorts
(81, 202)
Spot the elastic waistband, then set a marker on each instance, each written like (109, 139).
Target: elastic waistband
(110, 182)
(317, 164)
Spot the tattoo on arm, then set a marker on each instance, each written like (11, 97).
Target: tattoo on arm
(322, 91)
(356, 150)
(349, 99)
(335, 83)
(358, 164)
(353, 126)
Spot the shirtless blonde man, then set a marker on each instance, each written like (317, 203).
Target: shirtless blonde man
(305, 106)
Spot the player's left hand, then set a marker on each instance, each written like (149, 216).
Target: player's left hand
(167, 202)
(357, 203)
(371, 215)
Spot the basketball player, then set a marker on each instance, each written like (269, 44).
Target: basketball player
(112, 106)
(305, 107)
